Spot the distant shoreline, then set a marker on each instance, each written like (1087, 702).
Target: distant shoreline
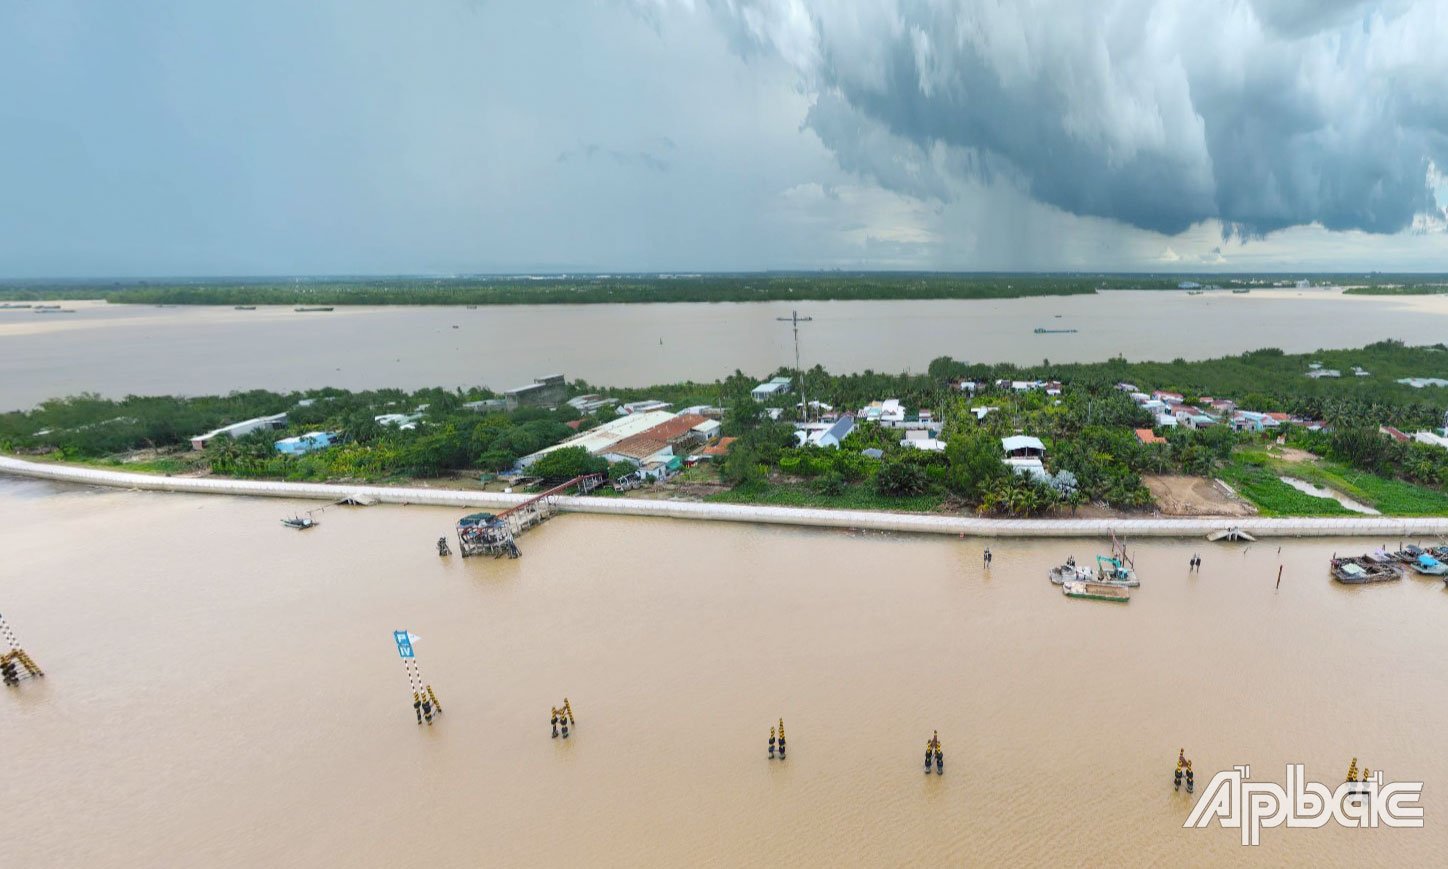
(630, 289)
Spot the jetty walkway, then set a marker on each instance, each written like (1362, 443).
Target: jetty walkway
(1376, 527)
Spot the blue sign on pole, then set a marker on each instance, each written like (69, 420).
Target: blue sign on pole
(404, 644)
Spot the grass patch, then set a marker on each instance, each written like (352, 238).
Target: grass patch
(1259, 484)
(1389, 497)
(858, 497)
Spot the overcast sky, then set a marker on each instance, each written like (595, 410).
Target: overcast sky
(232, 137)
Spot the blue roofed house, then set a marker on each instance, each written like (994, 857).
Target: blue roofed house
(832, 436)
(312, 440)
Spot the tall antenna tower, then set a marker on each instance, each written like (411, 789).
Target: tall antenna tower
(794, 319)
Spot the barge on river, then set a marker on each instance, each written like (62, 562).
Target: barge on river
(1093, 590)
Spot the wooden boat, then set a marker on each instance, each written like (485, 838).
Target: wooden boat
(1356, 571)
(311, 309)
(1070, 571)
(1381, 556)
(301, 523)
(1096, 591)
(1408, 554)
(1233, 534)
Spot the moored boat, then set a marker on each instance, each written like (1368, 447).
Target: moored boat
(1408, 554)
(1356, 571)
(1091, 590)
(1427, 565)
(1070, 571)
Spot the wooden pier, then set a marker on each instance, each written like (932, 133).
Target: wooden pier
(493, 534)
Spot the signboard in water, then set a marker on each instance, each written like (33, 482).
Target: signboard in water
(404, 643)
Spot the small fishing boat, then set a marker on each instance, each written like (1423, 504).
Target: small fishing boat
(1195, 292)
(1408, 554)
(301, 523)
(1096, 591)
(244, 307)
(1356, 571)
(1070, 572)
(1241, 292)
(1380, 556)
(1043, 331)
(311, 309)
(1427, 565)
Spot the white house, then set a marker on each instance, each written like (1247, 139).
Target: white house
(707, 431)
(240, 429)
(765, 390)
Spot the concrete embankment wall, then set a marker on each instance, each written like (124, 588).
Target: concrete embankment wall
(1377, 527)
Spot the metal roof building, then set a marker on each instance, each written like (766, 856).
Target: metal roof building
(599, 439)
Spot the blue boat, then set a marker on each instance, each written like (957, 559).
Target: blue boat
(1430, 566)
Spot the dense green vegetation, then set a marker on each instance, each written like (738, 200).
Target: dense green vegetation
(599, 289)
(450, 437)
(1087, 432)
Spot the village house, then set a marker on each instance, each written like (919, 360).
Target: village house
(1024, 453)
(1147, 436)
(306, 443)
(831, 436)
(655, 445)
(241, 429)
(770, 388)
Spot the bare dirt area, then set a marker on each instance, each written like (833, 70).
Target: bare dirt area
(1291, 454)
(1178, 495)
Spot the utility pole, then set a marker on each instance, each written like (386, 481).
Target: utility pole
(795, 319)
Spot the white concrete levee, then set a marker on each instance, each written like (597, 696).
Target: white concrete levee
(1377, 527)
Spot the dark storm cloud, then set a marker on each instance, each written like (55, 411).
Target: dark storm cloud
(1158, 113)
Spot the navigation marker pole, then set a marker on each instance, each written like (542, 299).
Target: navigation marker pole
(424, 701)
(8, 673)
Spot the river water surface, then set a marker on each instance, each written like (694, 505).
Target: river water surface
(223, 691)
(120, 350)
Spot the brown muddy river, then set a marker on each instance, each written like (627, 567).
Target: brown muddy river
(118, 350)
(223, 691)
